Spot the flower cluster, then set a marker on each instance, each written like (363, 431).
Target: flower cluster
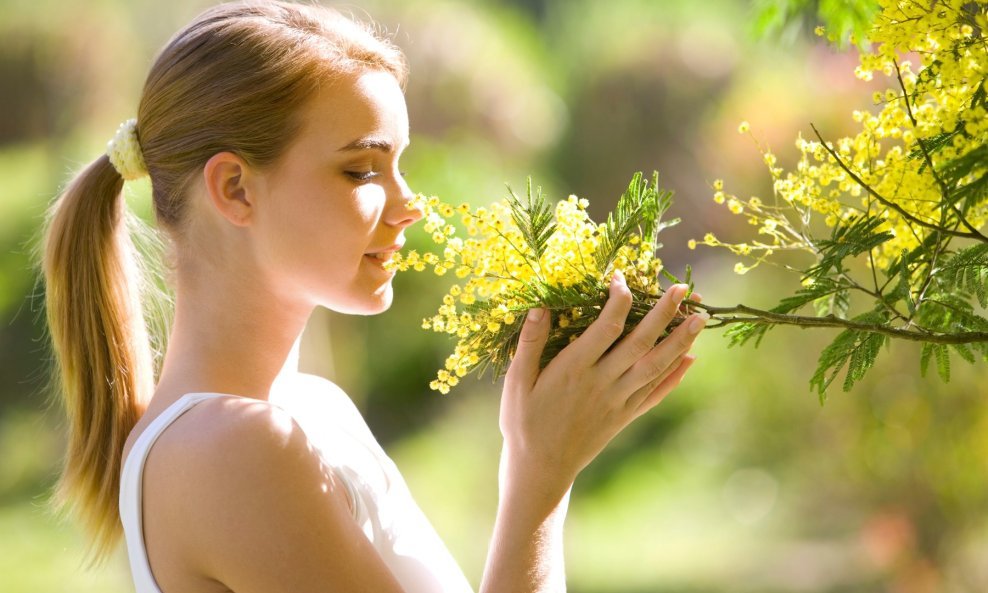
(519, 256)
(914, 155)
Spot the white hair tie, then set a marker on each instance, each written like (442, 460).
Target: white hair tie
(125, 152)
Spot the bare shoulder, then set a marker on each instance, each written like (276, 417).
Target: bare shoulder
(245, 500)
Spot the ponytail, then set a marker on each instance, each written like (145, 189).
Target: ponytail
(103, 355)
(234, 80)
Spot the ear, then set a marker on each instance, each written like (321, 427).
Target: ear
(225, 175)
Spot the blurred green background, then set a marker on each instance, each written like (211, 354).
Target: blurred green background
(740, 482)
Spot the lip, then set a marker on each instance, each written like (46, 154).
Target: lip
(382, 256)
(389, 249)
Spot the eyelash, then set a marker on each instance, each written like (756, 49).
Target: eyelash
(367, 175)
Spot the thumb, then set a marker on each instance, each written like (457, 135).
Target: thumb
(524, 367)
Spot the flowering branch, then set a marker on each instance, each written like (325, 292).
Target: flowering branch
(889, 203)
(723, 316)
(944, 191)
(889, 197)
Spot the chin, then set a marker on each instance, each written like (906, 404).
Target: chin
(372, 304)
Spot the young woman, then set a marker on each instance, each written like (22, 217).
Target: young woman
(272, 133)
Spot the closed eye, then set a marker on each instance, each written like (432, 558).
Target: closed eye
(362, 175)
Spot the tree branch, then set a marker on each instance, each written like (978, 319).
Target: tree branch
(902, 212)
(944, 190)
(729, 315)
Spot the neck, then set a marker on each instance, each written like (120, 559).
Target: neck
(229, 337)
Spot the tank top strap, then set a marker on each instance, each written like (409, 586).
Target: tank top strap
(131, 479)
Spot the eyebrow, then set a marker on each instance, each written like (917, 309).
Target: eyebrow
(369, 143)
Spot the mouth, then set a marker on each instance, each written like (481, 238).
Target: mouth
(383, 255)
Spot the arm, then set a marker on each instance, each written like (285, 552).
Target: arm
(261, 513)
(556, 421)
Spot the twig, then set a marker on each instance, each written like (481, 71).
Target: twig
(944, 190)
(902, 212)
(727, 316)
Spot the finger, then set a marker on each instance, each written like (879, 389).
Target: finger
(642, 339)
(689, 304)
(607, 328)
(662, 357)
(636, 399)
(666, 386)
(524, 367)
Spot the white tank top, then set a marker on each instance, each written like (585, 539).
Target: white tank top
(383, 506)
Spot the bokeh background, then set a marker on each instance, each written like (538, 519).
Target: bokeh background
(740, 482)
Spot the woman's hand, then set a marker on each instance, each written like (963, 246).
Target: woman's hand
(557, 421)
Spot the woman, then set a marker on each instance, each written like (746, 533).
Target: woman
(272, 134)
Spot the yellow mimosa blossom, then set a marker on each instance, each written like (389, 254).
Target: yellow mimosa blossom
(509, 263)
(930, 122)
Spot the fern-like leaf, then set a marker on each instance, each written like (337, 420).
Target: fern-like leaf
(859, 236)
(533, 218)
(967, 271)
(852, 348)
(943, 361)
(639, 210)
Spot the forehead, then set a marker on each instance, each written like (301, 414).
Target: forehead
(354, 107)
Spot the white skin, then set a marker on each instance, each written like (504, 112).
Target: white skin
(233, 484)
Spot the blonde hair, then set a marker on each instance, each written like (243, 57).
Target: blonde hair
(234, 80)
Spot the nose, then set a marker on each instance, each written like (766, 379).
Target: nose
(402, 213)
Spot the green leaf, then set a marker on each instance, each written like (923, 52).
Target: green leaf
(943, 361)
(924, 357)
(967, 271)
(786, 18)
(964, 351)
(741, 333)
(863, 358)
(848, 239)
(534, 219)
(852, 348)
(640, 210)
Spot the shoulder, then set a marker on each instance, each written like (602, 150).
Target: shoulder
(236, 443)
(243, 486)
(224, 456)
(312, 399)
(225, 428)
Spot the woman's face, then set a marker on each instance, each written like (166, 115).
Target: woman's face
(336, 204)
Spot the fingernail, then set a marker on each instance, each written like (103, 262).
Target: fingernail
(679, 292)
(697, 322)
(617, 277)
(535, 315)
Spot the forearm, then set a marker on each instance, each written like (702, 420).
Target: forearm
(526, 552)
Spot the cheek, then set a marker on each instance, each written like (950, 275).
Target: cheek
(354, 221)
(328, 229)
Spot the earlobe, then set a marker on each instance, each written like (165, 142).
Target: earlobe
(225, 178)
